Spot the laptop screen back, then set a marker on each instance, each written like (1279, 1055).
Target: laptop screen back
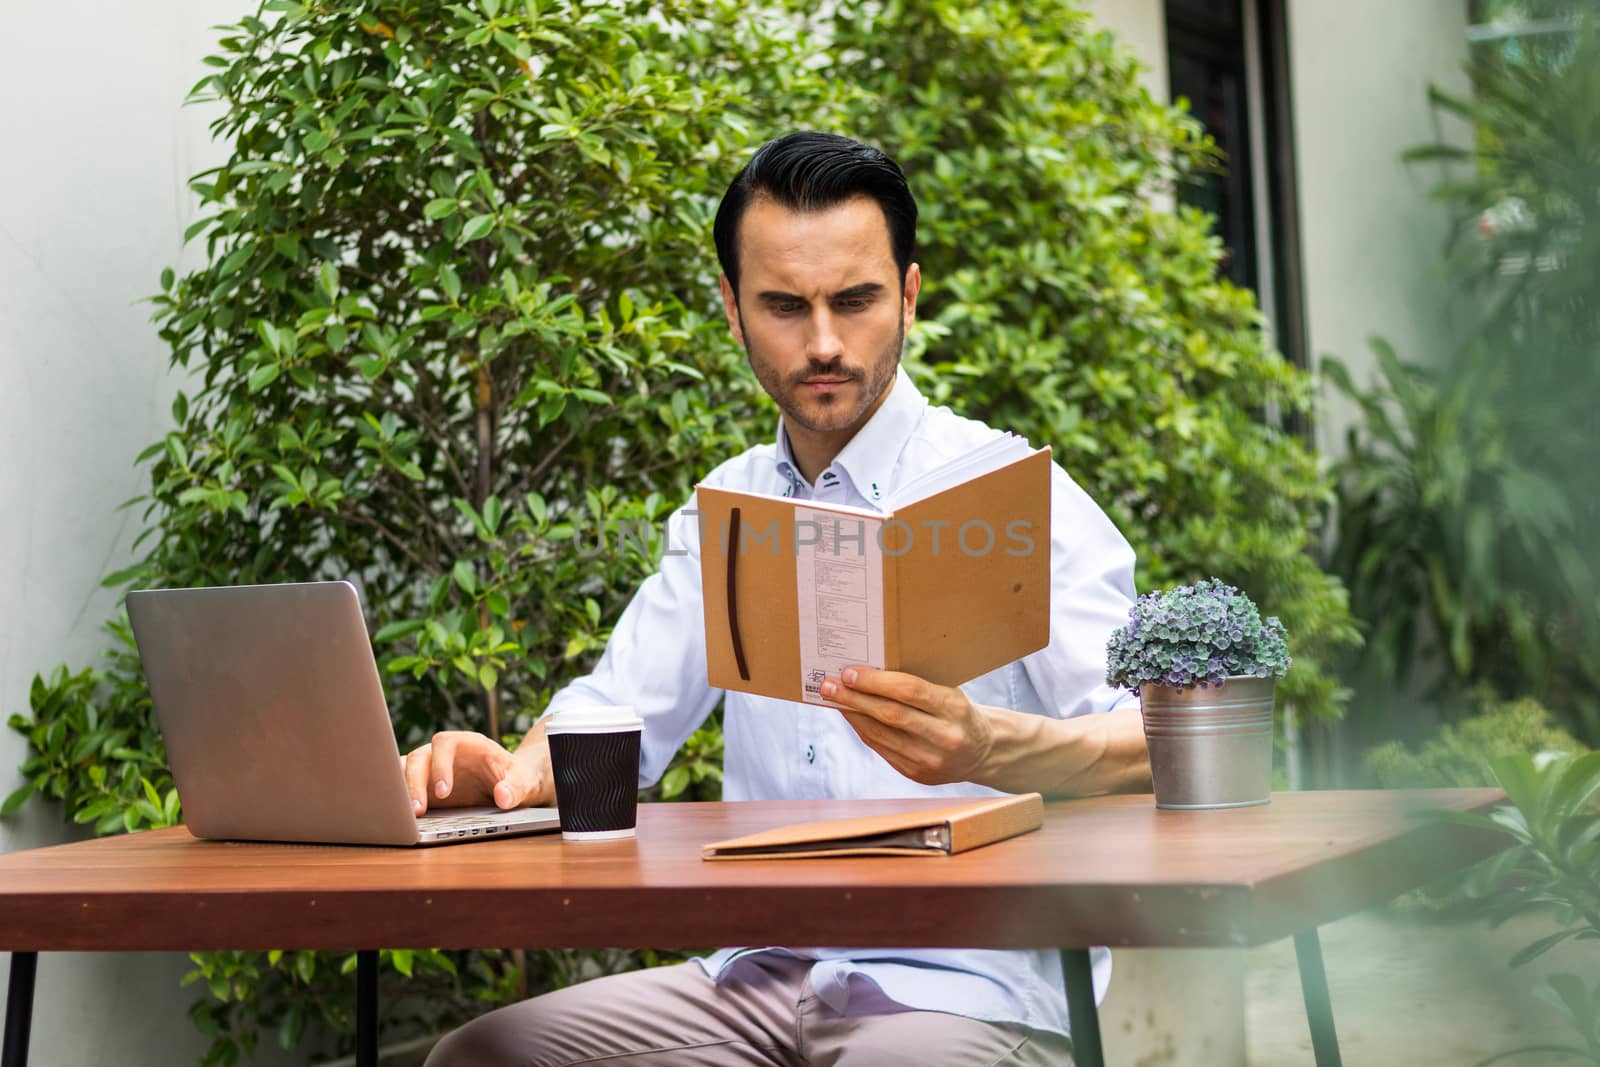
(273, 713)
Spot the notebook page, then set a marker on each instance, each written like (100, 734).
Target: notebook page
(839, 586)
(824, 505)
(992, 455)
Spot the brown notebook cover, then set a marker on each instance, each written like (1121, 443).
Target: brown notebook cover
(952, 609)
(932, 832)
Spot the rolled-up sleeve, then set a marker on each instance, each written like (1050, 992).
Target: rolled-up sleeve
(656, 657)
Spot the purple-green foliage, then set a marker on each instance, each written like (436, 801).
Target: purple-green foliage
(1195, 634)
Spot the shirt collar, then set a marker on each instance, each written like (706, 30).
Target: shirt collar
(869, 458)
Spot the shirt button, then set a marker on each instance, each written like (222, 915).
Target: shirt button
(811, 754)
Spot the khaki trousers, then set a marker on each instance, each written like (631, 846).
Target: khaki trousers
(762, 1013)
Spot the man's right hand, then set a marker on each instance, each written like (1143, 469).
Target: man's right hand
(460, 769)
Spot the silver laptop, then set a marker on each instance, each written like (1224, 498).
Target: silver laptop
(276, 727)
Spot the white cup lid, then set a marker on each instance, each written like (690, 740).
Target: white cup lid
(599, 719)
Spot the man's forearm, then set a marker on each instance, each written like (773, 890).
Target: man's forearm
(1082, 756)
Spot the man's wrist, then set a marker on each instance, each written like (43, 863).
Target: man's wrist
(1037, 753)
(1011, 737)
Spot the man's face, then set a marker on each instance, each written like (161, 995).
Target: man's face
(821, 311)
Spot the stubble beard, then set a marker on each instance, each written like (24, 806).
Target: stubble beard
(826, 414)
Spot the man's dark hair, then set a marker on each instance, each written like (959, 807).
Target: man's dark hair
(810, 171)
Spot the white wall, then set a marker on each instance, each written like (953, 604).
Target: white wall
(1141, 26)
(1372, 240)
(93, 204)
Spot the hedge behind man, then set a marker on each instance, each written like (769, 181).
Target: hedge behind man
(815, 237)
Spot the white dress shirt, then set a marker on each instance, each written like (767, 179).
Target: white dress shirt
(656, 661)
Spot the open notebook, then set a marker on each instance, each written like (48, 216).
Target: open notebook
(951, 581)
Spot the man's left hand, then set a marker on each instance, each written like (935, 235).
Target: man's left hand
(932, 734)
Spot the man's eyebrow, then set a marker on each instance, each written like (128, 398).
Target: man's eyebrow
(773, 296)
(864, 289)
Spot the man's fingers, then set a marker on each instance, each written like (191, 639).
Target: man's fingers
(523, 780)
(894, 685)
(512, 790)
(459, 768)
(907, 754)
(891, 713)
(441, 771)
(416, 765)
(505, 779)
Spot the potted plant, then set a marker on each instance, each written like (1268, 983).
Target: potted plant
(1205, 665)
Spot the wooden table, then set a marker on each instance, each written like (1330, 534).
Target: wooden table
(1104, 871)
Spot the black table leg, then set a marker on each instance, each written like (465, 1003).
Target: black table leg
(1081, 1009)
(19, 1009)
(1314, 987)
(366, 1008)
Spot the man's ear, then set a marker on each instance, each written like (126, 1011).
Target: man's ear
(730, 308)
(908, 299)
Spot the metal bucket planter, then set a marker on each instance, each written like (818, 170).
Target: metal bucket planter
(1210, 748)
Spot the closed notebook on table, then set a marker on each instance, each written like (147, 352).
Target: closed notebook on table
(950, 582)
(931, 832)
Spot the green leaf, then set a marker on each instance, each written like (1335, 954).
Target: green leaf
(394, 631)
(477, 227)
(1575, 785)
(328, 280)
(1541, 946)
(16, 797)
(465, 579)
(291, 1027)
(450, 282)
(263, 376)
(674, 782)
(1517, 777)
(442, 207)
(125, 575)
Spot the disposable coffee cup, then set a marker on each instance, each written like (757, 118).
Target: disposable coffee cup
(594, 754)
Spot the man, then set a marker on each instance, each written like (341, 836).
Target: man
(815, 238)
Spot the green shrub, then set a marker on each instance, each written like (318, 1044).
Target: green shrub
(1552, 865)
(1463, 754)
(1466, 502)
(457, 338)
